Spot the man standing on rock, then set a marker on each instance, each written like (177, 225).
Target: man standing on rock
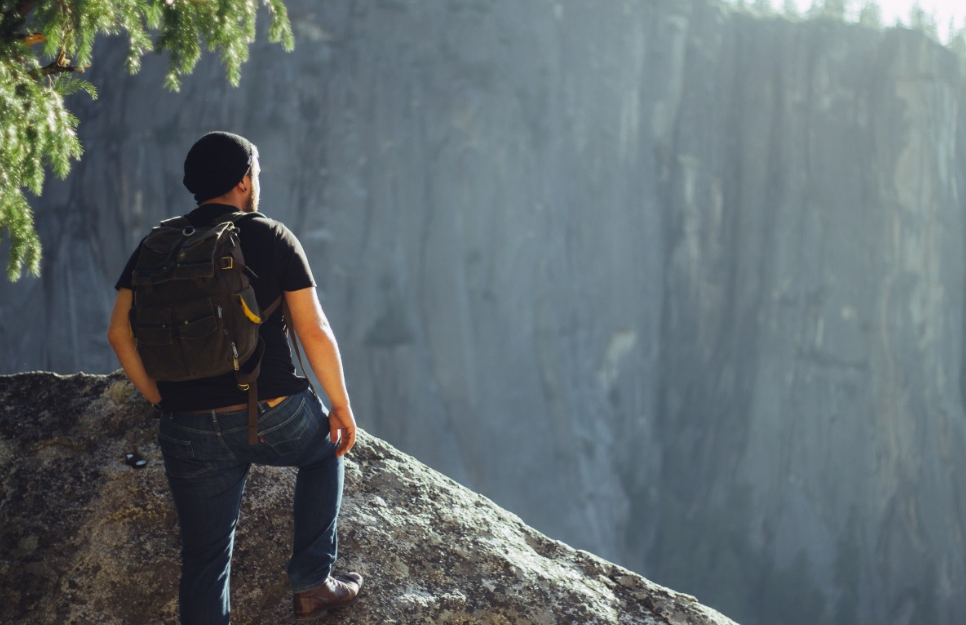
(203, 430)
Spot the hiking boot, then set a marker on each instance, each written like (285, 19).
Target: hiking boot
(337, 591)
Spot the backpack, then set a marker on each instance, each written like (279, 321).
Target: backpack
(194, 313)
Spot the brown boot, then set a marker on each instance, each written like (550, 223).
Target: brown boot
(337, 591)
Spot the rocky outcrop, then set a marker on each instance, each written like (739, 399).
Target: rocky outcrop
(88, 539)
(678, 285)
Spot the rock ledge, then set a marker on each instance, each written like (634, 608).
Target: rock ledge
(87, 539)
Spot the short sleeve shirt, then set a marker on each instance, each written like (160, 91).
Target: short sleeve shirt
(275, 255)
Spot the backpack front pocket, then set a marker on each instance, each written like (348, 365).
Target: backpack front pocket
(205, 345)
(152, 326)
(156, 342)
(183, 342)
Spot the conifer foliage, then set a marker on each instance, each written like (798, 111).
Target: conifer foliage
(46, 44)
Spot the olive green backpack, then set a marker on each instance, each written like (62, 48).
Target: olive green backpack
(194, 313)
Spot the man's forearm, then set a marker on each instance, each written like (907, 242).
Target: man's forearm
(130, 361)
(312, 329)
(122, 341)
(314, 332)
(322, 352)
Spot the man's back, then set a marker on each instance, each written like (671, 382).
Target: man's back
(276, 257)
(209, 437)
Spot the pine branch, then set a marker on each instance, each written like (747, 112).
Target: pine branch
(40, 134)
(58, 68)
(59, 65)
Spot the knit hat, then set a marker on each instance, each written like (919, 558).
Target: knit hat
(216, 163)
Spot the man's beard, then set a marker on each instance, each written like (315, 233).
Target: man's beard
(251, 204)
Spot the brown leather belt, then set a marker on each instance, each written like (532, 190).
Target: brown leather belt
(239, 407)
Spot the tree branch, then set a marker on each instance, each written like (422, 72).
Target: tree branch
(53, 68)
(59, 65)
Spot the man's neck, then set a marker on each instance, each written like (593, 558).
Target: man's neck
(238, 206)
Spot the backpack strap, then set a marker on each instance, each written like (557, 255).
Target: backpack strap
(234, 264)
(234, 217)
(248, 380)
(272, 307)
(180, 221)
(238, 215)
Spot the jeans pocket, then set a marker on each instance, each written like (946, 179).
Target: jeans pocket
(179, 458)
(288, 433)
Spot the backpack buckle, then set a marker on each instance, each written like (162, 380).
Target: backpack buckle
(230, 264)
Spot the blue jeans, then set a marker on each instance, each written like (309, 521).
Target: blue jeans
(206, 460)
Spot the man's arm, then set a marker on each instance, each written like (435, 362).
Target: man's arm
(122, 340)
(322, 351)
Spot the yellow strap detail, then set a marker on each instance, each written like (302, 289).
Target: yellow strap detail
(248, 312)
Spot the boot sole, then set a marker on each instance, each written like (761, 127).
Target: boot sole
(311, 616)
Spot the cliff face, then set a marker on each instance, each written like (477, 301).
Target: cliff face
(87, 539)
(677, 285)
(812, 338)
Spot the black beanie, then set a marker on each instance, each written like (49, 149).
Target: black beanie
(216, 163)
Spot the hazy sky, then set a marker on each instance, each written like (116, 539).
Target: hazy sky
(942, 9)
(892, 9)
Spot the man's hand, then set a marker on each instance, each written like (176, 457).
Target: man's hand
(122, 340)
(342, 425)
(313, 330)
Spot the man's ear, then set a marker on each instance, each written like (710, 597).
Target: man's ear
(243, 184)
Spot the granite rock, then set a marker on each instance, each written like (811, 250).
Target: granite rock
(88, 539)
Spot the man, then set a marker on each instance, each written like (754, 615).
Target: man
(203, 429)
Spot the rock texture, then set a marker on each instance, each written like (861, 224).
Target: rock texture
(87, 539)
(678, 285)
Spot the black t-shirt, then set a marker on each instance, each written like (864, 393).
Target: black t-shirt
(277, 258)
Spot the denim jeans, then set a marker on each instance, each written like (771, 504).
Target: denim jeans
(206, 460)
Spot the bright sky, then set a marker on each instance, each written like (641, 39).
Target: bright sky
(944, 10)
